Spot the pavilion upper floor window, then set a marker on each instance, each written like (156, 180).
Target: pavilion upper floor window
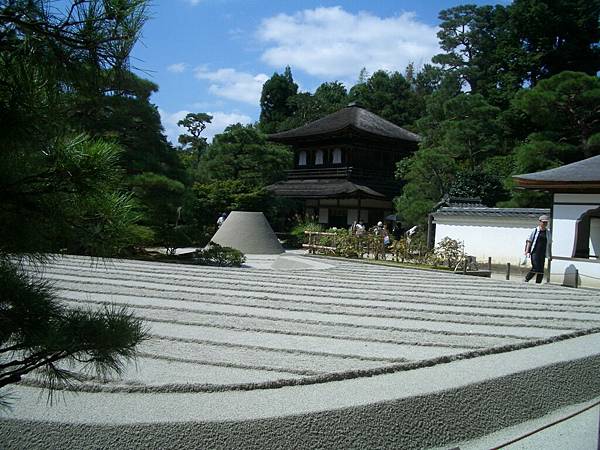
(337, 156)
(302, 158)
(319, 157)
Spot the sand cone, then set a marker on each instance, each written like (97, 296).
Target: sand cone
(248, 232)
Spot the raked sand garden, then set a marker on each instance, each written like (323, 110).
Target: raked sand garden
(298, 352)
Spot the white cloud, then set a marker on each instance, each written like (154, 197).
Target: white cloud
(233, 85)
(193, 2)
(177, 68)
(331, 42)
(220, 121)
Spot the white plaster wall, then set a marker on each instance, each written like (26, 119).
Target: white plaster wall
(576, 198)
(563, 272)
(567, 209)
(502, 239)
(563, 226)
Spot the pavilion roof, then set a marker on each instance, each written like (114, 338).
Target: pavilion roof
(352, 116)
(321, 189)
(580, 175)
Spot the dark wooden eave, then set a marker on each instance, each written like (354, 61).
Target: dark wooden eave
(347, 120)
(322, 188)
(580, 176)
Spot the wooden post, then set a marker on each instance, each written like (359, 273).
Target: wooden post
(465, 266)
(490, 264)
(508, 271)
(576, 278)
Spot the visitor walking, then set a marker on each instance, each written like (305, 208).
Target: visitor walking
(537, 247)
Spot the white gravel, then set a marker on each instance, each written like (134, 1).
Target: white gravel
(284, 317)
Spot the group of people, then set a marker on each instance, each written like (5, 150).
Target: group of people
(359, 229)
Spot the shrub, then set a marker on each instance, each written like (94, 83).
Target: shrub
(449, 252)
(301, 227)
(400, 250)
(341, 242)
(412, 250)
(419, 253)
(348, 245)
(216, 255)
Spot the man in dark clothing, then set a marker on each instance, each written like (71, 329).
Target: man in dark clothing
(536, 247)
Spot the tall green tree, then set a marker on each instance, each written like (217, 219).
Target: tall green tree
(195, 124)
(120, 110)
(459, 155)
(274, 100)
(328, 98)
(496, 50)
(482, 50)
(193, 144)
(59, 190)
(523, 112)
(331, 96)
(243, 153)
(557, 36)
(564, 111)
(213, 198)
(387, 95)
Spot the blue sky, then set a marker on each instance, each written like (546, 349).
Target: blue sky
(214, 55)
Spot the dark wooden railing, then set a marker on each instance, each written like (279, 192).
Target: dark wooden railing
(337, 172)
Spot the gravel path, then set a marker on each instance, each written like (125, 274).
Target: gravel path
(289, 318)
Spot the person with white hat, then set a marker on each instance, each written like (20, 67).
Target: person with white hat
(537, 246)
(221, 219)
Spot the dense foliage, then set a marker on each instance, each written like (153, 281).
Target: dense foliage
(517, 96)
(61, 178)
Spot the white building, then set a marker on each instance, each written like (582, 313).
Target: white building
(575, 220)
(497, 233)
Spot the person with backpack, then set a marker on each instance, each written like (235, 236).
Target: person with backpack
(537, 247)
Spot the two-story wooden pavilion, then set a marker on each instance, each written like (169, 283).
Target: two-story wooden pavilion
(344, 166)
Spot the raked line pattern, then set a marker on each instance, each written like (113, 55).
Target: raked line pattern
(215, 329)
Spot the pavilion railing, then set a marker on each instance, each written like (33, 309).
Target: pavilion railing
(337, 172)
